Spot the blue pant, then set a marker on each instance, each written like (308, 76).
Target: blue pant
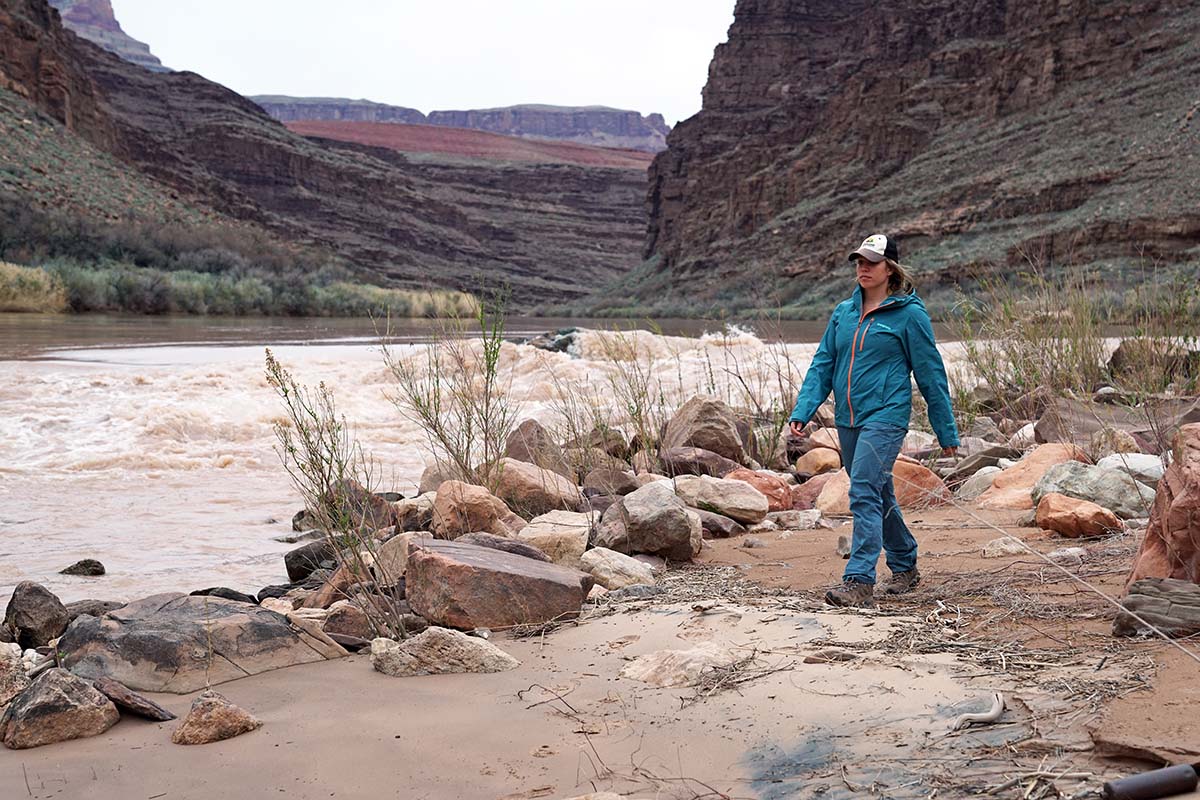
(868, 454)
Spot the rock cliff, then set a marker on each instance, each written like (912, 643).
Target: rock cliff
(984, 134)
(94, 20)
(593, 125)
(550, 231)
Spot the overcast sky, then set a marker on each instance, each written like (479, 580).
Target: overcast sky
(646, 55)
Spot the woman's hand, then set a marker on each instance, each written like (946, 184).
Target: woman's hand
(949, 452)
(797, 429)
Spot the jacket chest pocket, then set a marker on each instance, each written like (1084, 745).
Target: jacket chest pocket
(880, 338)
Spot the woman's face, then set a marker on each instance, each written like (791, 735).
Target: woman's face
(871, 275)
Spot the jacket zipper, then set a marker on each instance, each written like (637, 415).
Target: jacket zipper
(856, 344)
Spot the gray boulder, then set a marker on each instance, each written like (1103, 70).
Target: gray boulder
(178, 643)
(56, 707)
(710, 424)
(438, 651)
(1109, 488)
(652, 520)
(35, 615)
(1142, 467)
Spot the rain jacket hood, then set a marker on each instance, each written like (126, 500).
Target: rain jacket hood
(867, 361)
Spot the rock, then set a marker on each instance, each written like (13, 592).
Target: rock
(917, 442)
(532, 443)
(611, 481)
(834, 498)
(614, 570)
(735, 499)
(391, 558)
(1142, 467)
(161, 643)
(776, 490)
(804, 496)
(347, 619)
(796, 520)
(1002, 547)
(531, 491)
(467, 586)
(985, 428)
(95, 608)
(819, 460)
(598, 504)
(13, 679)
(1109, 488)
(351, 506)
(1011, 489)
(1027, 519)
(434, 476)
(916, 486)
(1108, 441)
(464, 508)
(305, 520)
(336, 587)
(301, 561)
(35, 614)
(227, 594)
(1074, 518)
(561, 535)
(124, 697)
(752, 543)
(987, 457)
(89, 567)
(651, 520)
(666, 668)
(1171, 545)
(977, 484)
(696, 461)
(56, 707)
(1024, 438)
(439, 651)
(212, 718)
(1172, 606)
(602, 437)
(844, 546)
(718, 526)
(1067, 555)
(709, 424)
(584, 460)
(513, 546)
(415, 513)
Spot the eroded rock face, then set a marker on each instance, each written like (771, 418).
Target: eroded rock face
(56, 707)
(35, 614)
(1171, 546)
(438, 651)
(465, 508)
(1075, 518)
(466, 586)
(162, 643)
(212, 718)
(1172, 606)
(707, 423)
(718, 526)
(415, 513)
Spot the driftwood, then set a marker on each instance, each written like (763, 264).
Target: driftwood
(1172, 606)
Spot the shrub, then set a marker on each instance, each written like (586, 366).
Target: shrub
(31, 289)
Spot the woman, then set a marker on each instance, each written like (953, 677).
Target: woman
(873, 342)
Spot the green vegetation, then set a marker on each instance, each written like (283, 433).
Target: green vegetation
(30, 289)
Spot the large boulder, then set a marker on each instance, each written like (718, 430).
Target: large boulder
(611, 481)
(777, 491)
(307, 558)
(652, 520)
(977, 484)
(614, 570)
(707, 423)
(532, 443)
(530, 490)
(561, 535)
(1156, 421)
(465, 508)
(805, 495)
(916, 486)
(819, 460)
(1012, 488)
(56, 707)
(467, 586)
(96, 608)
(1172, 606)
(125, 698)
(179, 643)
(1171, 546)
(212, 718)
(514, 546)
(391, 558)
(351, 506)
(415, 513)
(1110, 488)
(602, 437)
(438, 651)
(35, 614)
(735, 499)
(1142, 467)
(1075, 518)
(695, 461)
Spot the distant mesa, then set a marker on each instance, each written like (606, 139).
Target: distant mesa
(95, 21)
(593, 125)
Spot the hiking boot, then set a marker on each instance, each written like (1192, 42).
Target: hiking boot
(855, 594)
(902, 582)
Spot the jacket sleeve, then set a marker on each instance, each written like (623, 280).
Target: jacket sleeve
(818, 381)
(930, 372)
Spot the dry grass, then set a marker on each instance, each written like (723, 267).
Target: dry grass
(31, 290)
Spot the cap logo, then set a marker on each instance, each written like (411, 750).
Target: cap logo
(878, 242)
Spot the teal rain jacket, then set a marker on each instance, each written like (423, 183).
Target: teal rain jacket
(866, 361)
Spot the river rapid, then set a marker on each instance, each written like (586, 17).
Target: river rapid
(148, 444)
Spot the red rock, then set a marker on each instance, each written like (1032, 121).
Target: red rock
(707, 423)
(1011, 488)
(805, 495)
(1074, 518)
(1171, 546)
(696, 461)
(466, 586)
(465, 508)
(819, 460)
(531, 491)
(776, 490)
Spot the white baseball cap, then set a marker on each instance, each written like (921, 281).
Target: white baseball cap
(876, 248)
